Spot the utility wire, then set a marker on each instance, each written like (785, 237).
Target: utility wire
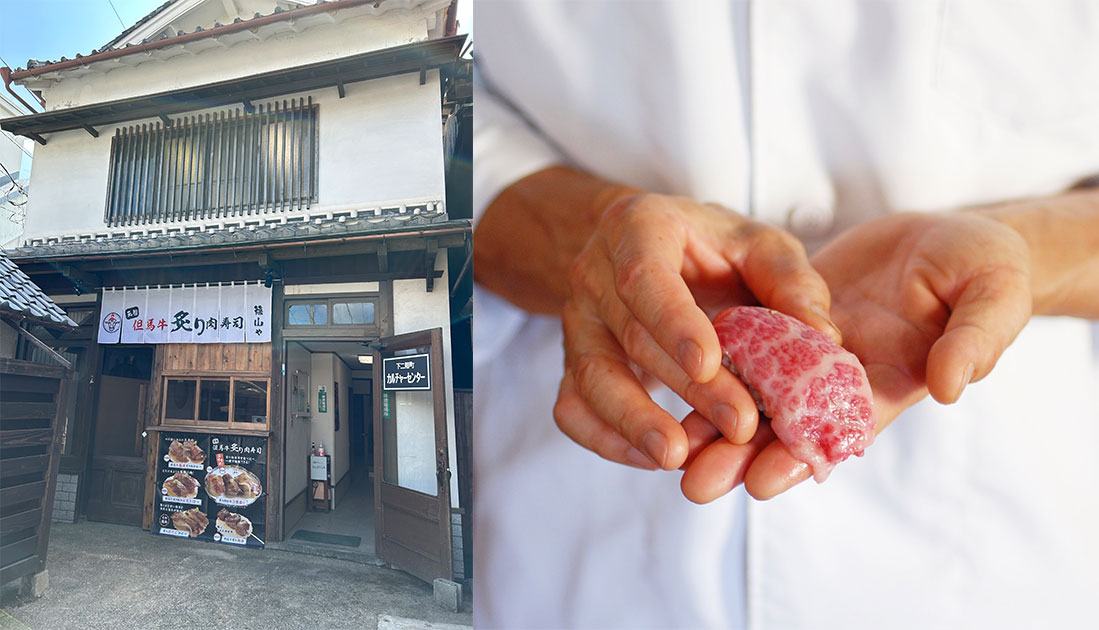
(116, 14)
(9, 139)
(12, 177)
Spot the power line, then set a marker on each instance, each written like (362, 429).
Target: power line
(116, 14)
(12, 178)
(25, 152)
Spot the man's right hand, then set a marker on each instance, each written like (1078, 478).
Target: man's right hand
(642, 292)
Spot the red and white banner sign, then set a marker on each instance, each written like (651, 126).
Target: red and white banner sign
(234, 313)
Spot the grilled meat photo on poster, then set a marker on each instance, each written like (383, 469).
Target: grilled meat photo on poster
(192, 521)
(233, 485)
(233, 524)
(186, 452)
(181, 485)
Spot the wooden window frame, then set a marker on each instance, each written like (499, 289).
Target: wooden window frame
(329, 301)
(198, 377)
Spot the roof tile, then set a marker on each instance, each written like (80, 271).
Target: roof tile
(19, 295)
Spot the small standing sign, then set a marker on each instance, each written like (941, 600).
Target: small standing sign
(318, 468)
(320, 493)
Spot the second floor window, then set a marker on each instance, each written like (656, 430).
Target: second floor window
(224, 164)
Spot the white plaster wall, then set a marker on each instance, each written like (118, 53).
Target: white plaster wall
(381, 143)
(331, 288)
(18, 164)
(415, 309)
(353, 35)
(298, 429)
(341, 442)
(321, 429)
(70, 182)
(11, 156)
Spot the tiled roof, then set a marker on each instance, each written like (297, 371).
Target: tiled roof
(121, 36)
(111, 45)
(33, 64)
(21, 296)
(228, 232)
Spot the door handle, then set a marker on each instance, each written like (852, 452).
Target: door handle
(442, 470)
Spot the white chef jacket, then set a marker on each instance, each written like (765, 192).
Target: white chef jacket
(813, 116)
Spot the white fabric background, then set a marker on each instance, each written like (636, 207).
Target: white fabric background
(812, 116)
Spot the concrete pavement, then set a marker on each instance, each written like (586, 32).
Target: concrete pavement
(112, 576)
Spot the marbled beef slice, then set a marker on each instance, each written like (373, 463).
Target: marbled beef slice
(814, 391)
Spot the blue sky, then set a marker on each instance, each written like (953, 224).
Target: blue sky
(51, 29)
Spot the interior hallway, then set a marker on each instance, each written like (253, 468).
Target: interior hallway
(353, 516)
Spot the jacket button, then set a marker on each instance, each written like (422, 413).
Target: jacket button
(809, 220)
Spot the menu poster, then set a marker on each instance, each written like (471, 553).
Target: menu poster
(210, 487)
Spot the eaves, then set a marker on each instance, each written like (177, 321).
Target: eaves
(420, 56)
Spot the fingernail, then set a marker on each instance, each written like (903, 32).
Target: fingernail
(638, 459)
(968, 376)
(725, 417)
(655, 446)
(690, 358)
(837, 336)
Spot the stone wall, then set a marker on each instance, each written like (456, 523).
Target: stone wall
(64, 499)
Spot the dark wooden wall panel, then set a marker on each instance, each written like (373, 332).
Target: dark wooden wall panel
(32, 401)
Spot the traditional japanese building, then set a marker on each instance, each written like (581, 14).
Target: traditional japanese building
(258, 213)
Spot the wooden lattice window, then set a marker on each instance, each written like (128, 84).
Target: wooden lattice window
(223, 164)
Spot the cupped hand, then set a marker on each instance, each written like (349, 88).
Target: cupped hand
(927, 302)
(642, 294)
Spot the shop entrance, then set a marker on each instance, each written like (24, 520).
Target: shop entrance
(413, 482)
(329, 404)
(116, 491)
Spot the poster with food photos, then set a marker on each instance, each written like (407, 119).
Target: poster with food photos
(211, 487)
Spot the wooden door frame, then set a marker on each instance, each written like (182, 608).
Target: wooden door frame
(277, 424)
(143, 412)
(421, 502)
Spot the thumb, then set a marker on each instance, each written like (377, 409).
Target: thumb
(777, 271)
(985, 318)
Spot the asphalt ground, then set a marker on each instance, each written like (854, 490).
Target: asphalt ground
(113, 576)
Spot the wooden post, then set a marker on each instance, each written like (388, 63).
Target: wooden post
(276, 422)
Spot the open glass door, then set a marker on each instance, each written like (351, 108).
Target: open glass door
(412, 480)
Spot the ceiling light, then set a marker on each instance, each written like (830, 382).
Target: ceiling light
(366, 359)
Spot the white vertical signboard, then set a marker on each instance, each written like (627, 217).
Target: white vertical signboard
(157, 308)
(110, 316)
(232, 308)
(257, 314)
(207, 315)
(181, 315)
(133, 315)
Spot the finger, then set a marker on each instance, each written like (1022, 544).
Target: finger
(724, 400)
(646, 249)
(576, 420)
(605, 381)
(774, 471)
(777, 270)
(700, 434)
(986, 317)
(721, 466)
